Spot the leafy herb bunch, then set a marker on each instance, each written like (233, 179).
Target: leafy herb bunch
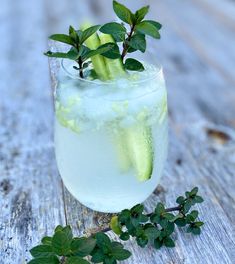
(155, 228)
(130, 40)
(79, 52)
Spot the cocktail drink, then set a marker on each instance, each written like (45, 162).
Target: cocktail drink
(111, 137)
(111, 113)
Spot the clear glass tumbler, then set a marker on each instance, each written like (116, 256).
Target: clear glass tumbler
(111, 137)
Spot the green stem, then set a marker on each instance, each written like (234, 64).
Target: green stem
(125, 44)
(80, 63)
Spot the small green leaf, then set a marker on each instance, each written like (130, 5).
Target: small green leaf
(138, 42)
(97, 256)
(102, 239)
(198, 199)
(113, 28)
(168, 216)
(158, 243)
(61, 243)
(42, 251)
(83, 246)
(148, 29)
(187, 194)
(152, 232)
(198, 224)
(88, 32)
(194, 191)
(180, 222)
(139, 208)
(120, 254)
(180, 200)
(160, 208)
(133, 65)
(48, 260)
(124, 236)
(62, 38)
(123, 12)
(196, 230)
(46, 240)
(141, 13)
(76, 260)
(73, 34)
(156, 24)
(168, 242)
(130, 50)
(124, 216)
(187, 206)
(194, 214)
(59, 228)
(111, 52)
(142, 241)
(56, 54)
(73, 54)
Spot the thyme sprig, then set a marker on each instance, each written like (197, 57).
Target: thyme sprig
(155, 228)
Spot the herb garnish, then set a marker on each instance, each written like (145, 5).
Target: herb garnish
(130, 41)
(155, 228)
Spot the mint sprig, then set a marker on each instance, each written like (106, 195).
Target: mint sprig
(155, 228)
(79, 52)
(131, 40)
(135, 39)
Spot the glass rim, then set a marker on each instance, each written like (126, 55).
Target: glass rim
(155, 75)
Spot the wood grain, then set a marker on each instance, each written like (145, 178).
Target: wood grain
(202, 135)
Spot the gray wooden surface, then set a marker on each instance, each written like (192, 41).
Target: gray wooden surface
(197, 51)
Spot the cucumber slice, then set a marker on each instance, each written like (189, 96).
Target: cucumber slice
(93, 42)
(141, 150)
(121, 144)
(114, 67)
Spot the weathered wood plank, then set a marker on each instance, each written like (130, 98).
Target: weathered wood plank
(30, 189)
(212, 40)
(201, 157)
(223, 11)
(196, 156)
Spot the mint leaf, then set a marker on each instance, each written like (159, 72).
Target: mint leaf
(59, 228)
(102, 239)
(123, 12)
(42, 251)
(113, 27)
(141, 13)
(83, 246)
(120, 254)
(108, 49)
(156, 24)
(46, 240)
(112, 52)
(158, 243)
(138, 42)
(56, 54)
(61, 243)
(73, 34)
(130, 50)
(168, 242)
(73, 54)
(133, 65)
(76, 260)
(88, 32)
(97, 256)
(62, 38)
(49, 260)
(148, 29)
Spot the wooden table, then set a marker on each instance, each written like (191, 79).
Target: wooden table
(197, 51)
